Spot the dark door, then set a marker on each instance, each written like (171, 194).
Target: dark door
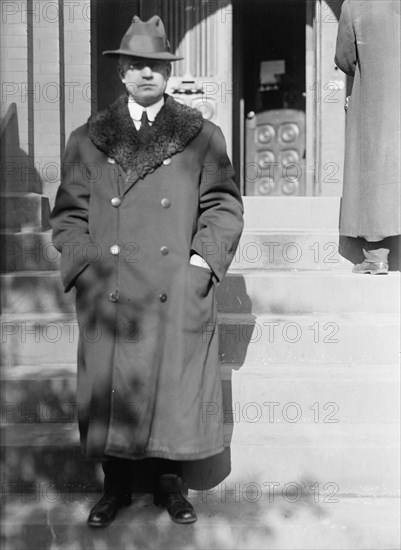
(271, 76)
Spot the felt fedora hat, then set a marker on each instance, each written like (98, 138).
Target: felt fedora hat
(145, 39)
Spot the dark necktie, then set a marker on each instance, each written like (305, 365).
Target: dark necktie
(145, 126)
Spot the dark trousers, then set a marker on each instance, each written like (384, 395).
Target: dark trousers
(119, 473)
(375, 245)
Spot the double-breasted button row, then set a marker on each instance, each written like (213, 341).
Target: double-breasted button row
(116, 202)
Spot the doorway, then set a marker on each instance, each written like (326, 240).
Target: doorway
(269, 72)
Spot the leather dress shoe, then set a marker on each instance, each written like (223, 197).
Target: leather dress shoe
(105, 511)
(168, 494)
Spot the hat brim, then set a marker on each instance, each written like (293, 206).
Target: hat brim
(162, 55)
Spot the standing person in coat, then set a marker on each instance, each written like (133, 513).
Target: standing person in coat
(368, 49)
(147, 220)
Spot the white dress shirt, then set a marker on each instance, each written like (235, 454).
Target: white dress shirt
(136, 111)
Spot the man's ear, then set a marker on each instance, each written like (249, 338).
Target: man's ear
(169, 70)
(121, 73)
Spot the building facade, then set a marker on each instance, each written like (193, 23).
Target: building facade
(262, 69)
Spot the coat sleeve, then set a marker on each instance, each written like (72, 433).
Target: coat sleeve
(221, 212)
(69, 218)
(346, 49)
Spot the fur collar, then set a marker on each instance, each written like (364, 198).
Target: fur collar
(113, 132)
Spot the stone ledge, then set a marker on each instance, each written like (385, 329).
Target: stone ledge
(255, 291)
(28, 251)
(253, 340)
(302, 395)
(291, 212)
(25, 212)
(351, 457)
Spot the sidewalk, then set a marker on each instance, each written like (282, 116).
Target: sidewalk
(351, 523)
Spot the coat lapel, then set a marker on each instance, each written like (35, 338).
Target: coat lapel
(113, 132)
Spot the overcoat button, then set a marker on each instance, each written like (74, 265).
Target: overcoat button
(115, 201)
(115, 249)
(113, 296)
(111, 161)
(163, 298)
(166, 162)
(164, 250)
(165, 203)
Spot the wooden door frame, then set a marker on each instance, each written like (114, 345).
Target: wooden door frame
(238, 101)
(312, 118)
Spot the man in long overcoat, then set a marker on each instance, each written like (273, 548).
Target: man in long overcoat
(368, 49)
(147, 219)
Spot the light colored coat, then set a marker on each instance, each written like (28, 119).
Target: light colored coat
(368, 48)
(127, 218)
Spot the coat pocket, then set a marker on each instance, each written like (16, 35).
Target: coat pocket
(199, 299)
(82, 280)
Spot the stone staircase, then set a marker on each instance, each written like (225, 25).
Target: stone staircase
(309, 355)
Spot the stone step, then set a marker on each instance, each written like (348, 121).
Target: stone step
(48, 452)
(47, 519)
(280, 233)
(28, 252)
(241, 292)
(349, 456)
(24, 212)
(39, 394)
(334, 461)
(19, 173)
(318, 338)
(45, 339)
(308, 292)
(297, 250)
(358, 394)
(35, 292)
(291, 213)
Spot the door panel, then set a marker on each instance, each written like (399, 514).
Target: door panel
(275, 151)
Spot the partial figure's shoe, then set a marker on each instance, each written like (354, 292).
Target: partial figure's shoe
(374, 268)
(105, 511)
(375, 262)
(168, 494)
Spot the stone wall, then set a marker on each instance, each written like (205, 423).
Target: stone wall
(46, 74)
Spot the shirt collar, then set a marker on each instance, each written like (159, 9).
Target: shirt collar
(136, 110)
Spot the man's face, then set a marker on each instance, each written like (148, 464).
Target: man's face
(145, 79)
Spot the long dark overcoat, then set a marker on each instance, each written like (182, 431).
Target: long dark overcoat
(127, 217)
(368, 48)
